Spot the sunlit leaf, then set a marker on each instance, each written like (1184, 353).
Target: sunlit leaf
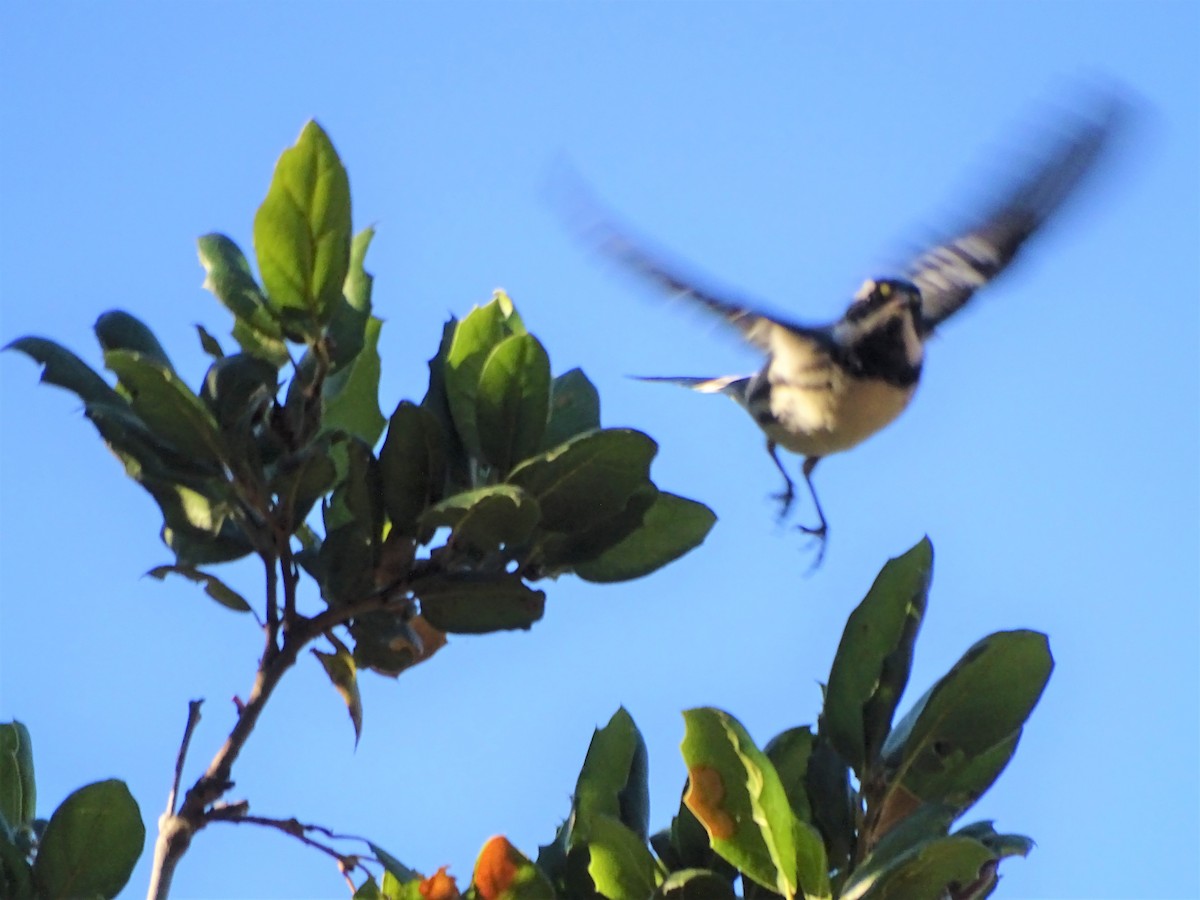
(18, 790)
(351, 396)
(343, 674)
(213, 586)
(671, 527)
(228, 277)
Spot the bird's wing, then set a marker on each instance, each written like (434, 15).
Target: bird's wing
(950, 273)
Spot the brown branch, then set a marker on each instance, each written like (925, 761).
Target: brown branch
(193, 720)
(236, 814)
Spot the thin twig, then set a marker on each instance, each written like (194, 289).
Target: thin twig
(193, 720)
(235, 814)
(272, 607)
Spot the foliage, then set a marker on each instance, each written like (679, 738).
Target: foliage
(441, 518)
(87, 848)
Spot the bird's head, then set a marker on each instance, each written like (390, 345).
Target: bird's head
(883, 298)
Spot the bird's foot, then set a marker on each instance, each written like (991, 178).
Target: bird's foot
(785, 500)
(820, 534)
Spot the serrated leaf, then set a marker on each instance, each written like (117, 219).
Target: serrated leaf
(874, 657)
(228, 277)
(672, 526)
(18, 789)
(614, 779)
(574, 408)
(343, 674)
(167, 406)
(118, 330)
(351, 395)
(512, 405)
(502, 872)
(64, 369)
(302, 231)
(470, 343)
(213, 586)
(91, 844)
(586, 480)
(956, 739)
(736, 794)
(479, 604)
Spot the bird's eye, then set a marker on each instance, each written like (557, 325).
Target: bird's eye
(885, 290)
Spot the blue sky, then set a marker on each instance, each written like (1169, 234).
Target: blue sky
(786, 149)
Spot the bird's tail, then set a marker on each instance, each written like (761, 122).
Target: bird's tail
(733, 385)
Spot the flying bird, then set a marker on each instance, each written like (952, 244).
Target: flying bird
(824, 389)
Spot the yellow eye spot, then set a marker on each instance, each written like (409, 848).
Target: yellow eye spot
(885, 290)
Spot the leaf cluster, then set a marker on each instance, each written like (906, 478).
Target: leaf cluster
(857, 807)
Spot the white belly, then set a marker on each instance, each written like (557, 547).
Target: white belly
(817, 423)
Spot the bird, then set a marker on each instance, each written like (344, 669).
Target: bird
(825, 388)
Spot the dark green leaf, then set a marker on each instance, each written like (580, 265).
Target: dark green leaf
(237, 389)
(828, 783)
(588, 479)
(926, 871)
(64, 369)
(412, 465)
(302, 231)
(874, 657)
(16, 875)
(614, 778)
(437, 403)
(399, 870)
(471, 604)
(209, 344)
(574, 408)
(789, 753)
(1003, 845)
(167, 405)
(343, 674)
(118, 330)
(228, 277)
(485, 520)
(91, 844)
(473, 339)
(736, 794)
(672, 526)
(957, 738)
(353, 529)
(18, 790)
(213, 586)
(558, 552)
(301, 485)
(351, 395)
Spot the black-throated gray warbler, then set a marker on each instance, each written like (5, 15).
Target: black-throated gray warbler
(826, 388)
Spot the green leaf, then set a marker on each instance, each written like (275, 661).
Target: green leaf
(237, 389)
(586, 480)
(620, 865)
(351, 395)
(574, 408)
(1003, 845)
(64, 369)
(343, 674)
(473, 339)
(16, 875)
(352, 312)
(873, 660)
(736, 794)
(353, 529)
(167, 406)
(614, 780)
(485, 520)
(392, 865)
(301, 486)
(228, 277)
(302, 232)
(672, 526)
(957, 738)
(812, 865)
(91, 844)
(557, 552)
(18, 790)
(694, 884)
(789, 752)
(412, 465)
(512, 403)
(478, 604)
(437, 402)
(502, 872)
(118, 330)
(925, 871)
(827, 780)
(213, 586)
(209, 344)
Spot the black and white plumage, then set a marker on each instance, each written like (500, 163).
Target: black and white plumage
(825, 388)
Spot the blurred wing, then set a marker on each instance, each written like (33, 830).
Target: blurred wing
(949, 274)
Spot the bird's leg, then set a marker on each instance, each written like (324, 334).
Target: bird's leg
(786, 497)
(822, 530)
